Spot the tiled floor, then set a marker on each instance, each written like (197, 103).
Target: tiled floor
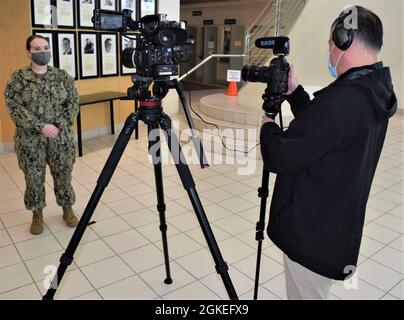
(120, 257)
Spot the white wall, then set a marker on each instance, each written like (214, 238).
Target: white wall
(245, 14)
(172, 9)
(309, 44)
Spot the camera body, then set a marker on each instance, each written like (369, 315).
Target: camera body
(160, 47)
(276, 75)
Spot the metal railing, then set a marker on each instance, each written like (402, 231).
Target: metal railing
(263, 26)
(209, 58)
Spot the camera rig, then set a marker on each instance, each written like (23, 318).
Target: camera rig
(275, 75)
(149, 88)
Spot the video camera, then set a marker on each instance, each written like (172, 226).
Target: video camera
(161, 46)
(275, 76)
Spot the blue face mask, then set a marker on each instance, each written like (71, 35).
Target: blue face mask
(333, 70)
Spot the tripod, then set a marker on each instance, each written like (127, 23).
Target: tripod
(273, 105)
(151, 113)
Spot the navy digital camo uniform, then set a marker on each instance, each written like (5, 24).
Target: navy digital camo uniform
(33, 102)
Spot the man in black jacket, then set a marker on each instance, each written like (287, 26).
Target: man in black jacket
(326, 160)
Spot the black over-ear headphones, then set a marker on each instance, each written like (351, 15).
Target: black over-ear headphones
(341, 36)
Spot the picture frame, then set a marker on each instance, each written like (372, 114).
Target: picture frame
(132, 5)
(43, 14)
(66, 14)
(108, 5)
(67, 53)
(89, 53)
(109, 54)
(50, 36)
(85, 12)
(148, 7)
(125, 42)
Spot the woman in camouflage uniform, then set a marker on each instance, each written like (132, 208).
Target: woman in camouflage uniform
(43, 103)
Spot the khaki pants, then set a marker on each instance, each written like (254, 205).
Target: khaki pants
(303, 284)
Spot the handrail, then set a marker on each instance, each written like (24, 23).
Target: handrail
(270, 3)
(207, 59)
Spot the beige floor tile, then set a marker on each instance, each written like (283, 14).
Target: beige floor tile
(277, 286)
(93, 295)
(125, 206)
(144, 258)
(140, 217)
(107, 227)
(73, 284)
(380, 233)
(126, 241)
(5, 239)
(269, 268)
(152, 231)
(180, 245)
(378, 275)
(391, 258)
(38, 247)
(9, 256)
(41, 267)
(193, 291)
(234, 250)
(29, 292)
(361, 291)
(234, 225)
(241, 283)
(65, 236)
(91, 252)
(132, 288)
(155, 278)
(199, 263)
(107, 271)
(13, 277)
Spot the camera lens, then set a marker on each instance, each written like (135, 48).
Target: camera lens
(166, 38)
(253, 73)
(128, 58)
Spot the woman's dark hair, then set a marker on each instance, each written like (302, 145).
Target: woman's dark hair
(33, 37)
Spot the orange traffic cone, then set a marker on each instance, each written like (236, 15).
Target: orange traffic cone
(232, 91)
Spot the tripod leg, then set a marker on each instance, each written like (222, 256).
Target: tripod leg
(161, 206)
(102, 182)
(259, 236)
(197, 141)
(189, 185)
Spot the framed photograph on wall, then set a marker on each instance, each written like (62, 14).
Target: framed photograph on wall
(108, 4)
(128, 41)
(85, 12)
(89, 50)
(43, 13)
(131, 5)
(109, 54)
(66, 13)
(67, 52)
(50, 37)
(148, 7)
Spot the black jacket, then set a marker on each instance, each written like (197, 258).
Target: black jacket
(325, 163)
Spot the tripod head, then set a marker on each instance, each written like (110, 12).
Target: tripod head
(150, 92)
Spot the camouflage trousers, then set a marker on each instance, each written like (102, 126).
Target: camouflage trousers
(33, 156)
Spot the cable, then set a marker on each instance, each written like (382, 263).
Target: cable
(217, 128)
